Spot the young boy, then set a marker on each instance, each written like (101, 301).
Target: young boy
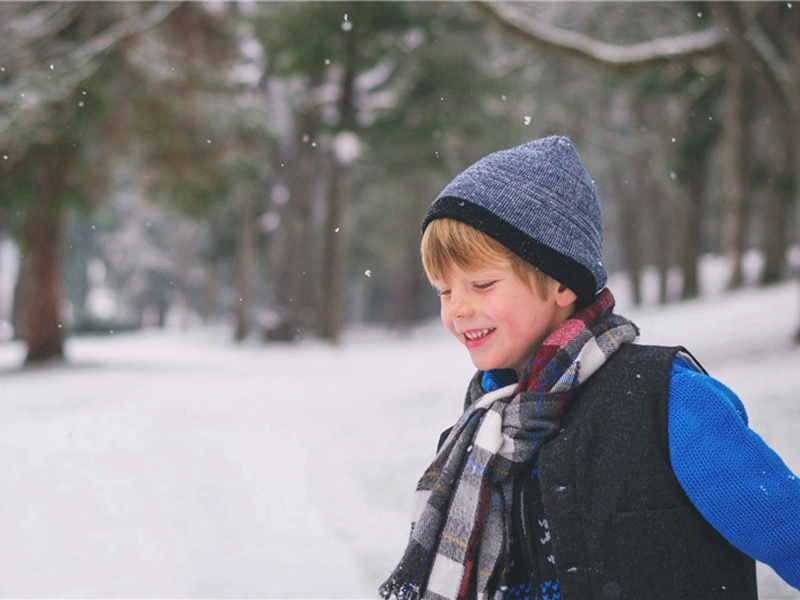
(584, 465)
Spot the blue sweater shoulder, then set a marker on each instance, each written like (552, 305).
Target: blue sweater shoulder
(736, 481)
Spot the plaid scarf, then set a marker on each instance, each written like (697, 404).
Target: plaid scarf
(459, 542)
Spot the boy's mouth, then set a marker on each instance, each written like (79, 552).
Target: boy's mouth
(476, 335)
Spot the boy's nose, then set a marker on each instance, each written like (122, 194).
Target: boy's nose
(460, 306)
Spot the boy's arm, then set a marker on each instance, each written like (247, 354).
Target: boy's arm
(739, 484)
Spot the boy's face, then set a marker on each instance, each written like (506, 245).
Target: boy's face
(500, 319)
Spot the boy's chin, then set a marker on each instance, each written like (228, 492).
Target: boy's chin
(482, 365)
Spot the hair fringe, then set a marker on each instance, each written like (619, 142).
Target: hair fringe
(447, 242)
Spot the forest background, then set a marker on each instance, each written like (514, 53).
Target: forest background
(266, 165)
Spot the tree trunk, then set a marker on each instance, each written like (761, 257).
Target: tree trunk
(629, 226)
(211, 286)
(625, 185)
(245, 268)
(732, 172)
(655, 215)
(779, 99)
(793, 48)
(408, 287)
(5, 311)
(302, 267)
(18, 301)
(334, 256)
(410, 290)
(405, 291)
(41, 285)
(778, 202)
(335, 234)
(292, 279)
(781, 195)
(689, 255)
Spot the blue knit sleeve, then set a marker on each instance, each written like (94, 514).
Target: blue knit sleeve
(739, 484)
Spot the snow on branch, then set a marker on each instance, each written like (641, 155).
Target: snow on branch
(627, 57)
(31, 88)
(124, 29)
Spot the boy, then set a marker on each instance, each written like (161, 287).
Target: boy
(584, 465)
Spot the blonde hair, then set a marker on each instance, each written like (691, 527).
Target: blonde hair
(448, 242)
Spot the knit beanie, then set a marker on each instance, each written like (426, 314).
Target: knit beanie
(539, 202)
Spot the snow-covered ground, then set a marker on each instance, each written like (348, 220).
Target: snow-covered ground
(178, 464)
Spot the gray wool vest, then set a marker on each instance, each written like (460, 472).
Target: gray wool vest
(621, 525)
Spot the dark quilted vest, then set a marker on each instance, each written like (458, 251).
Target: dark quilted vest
(621, 525)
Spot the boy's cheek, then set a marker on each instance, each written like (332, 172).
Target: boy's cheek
(448, 324)
(444, 315)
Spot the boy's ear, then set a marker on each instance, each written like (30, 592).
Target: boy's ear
(565, 296)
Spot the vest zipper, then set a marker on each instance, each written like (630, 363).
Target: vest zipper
(521, 524)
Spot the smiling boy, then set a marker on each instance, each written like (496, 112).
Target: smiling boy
(501, 308)
(584, 465)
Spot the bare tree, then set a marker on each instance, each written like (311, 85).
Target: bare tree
(733, 171)
(772, 53)
(621, 58)
(764, 40)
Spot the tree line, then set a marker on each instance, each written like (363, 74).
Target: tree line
(268, 164)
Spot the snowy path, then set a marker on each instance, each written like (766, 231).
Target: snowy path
(152, 470)
(180, 465)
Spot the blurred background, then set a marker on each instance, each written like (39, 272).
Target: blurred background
(220, 369)
(265, 166)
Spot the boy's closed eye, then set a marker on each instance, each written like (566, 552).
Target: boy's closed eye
(479, 285)
(485, 285)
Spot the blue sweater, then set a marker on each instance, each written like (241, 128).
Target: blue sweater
(737, 482)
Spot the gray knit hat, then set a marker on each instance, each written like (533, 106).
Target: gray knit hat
(538, 201)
